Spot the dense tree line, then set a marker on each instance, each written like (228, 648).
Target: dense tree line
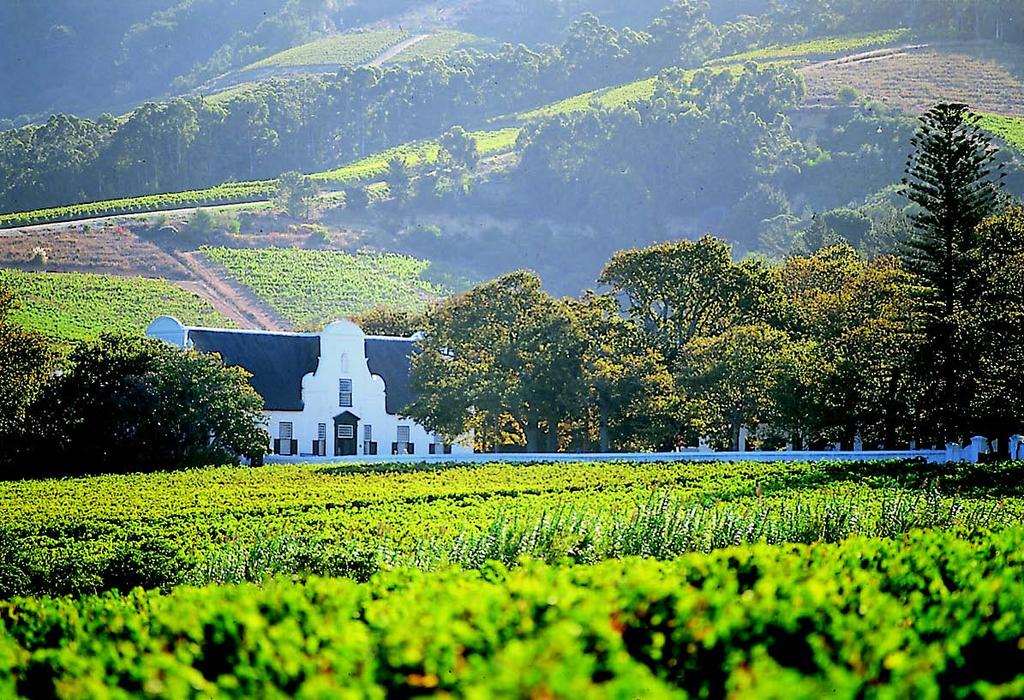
(314, 122)
(709, 151)
(821, 348)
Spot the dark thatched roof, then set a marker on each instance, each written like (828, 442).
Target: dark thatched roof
(390, 359)
(277, 362)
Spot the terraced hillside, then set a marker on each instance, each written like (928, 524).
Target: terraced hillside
(818, 49)
(326, 55)
(1009, 129)
(311, 288)
(76, 306)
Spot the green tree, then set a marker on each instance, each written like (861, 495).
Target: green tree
(296, 193)
(357, 198)
(999, 401)
(683, 290)
(388, 320)
(459, 149)
(134, 403)
(630, 396)
(499, 360)
(27, 363)
(736, 379)
(954, 179)
(456, 162)
(399, 181)
(857, 317)
(682, 35)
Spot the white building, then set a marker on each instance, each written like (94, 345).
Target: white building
(334, 393)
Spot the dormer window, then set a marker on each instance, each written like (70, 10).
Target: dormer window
(345, 393)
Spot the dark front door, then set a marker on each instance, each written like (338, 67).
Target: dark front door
(346, 428)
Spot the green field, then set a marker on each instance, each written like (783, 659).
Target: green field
(311, 288)
(414, 155)
(73, 306)
(821, 48)
(235, 524)
(1009, 129)
(228, 193)
(341, 49)
(544, 580)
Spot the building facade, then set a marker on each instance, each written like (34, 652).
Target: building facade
(337, 393)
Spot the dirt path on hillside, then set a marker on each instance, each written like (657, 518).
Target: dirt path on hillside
(397, 49)
(866, 56)
(231, 299)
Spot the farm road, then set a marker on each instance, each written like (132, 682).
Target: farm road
(229, 298)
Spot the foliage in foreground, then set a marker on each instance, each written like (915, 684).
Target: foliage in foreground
(928, 615)
(229, 525)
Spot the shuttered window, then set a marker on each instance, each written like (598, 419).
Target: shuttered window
(368, 433)
(285, 433)
(345, 393)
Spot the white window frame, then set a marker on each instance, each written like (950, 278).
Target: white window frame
(285, 434)
(346, 432)
(408, 435)
(345, 390)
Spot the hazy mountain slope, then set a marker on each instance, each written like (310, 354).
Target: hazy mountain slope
(53, 54)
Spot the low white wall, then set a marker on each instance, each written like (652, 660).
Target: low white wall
(932, 456)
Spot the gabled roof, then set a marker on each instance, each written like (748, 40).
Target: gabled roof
(391, 360)
(277, 361)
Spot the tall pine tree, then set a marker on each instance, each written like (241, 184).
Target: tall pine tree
(954, 179)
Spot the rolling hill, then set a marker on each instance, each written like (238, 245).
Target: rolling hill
(876, 65)
(311, 288)
(907, 76)
(327, 55)
(72, 306)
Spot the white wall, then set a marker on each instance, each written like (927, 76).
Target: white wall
(343, 355)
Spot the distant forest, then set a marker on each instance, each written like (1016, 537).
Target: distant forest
(738, 165)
